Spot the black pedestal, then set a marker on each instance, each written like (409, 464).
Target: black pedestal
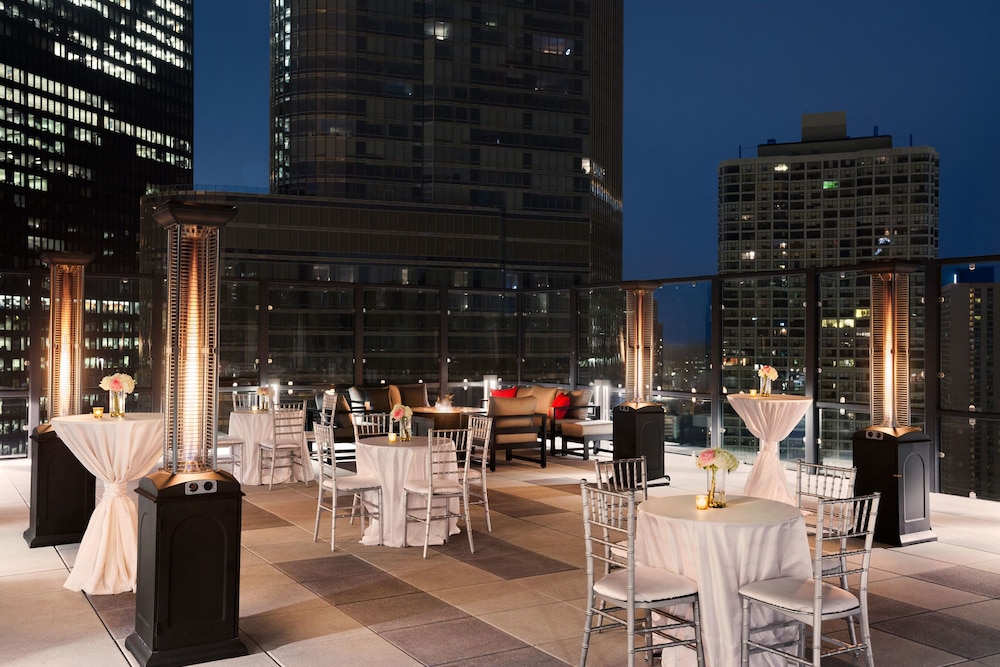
(187, 588)
(62, 492)
(897, 462)
(638, 431)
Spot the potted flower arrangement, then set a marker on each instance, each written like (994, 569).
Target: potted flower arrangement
(117, 386)
(402, 414)
(713, 460)
(767, 375)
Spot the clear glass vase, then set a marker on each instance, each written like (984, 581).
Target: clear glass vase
(715, 482)
(765, 386)
(116, 403)
(405, 433)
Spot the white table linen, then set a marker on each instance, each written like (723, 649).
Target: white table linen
(254, 427)
(770, 418)
(116, 450)
(722, 549)
(393, 463)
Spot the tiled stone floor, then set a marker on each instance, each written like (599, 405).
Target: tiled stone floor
(517, 601)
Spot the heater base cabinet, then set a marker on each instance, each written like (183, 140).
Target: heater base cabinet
(896, 462)
(638, 430)
(187, 588)
(62, 492)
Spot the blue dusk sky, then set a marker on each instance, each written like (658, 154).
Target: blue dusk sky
(704, 78)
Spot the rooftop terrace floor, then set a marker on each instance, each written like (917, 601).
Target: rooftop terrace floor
(518, 601)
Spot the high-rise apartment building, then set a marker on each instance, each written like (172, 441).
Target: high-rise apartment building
(96, 109)
(827, 201)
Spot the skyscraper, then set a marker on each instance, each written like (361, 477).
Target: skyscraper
(508, 110)
(96, 108)
(827, 201)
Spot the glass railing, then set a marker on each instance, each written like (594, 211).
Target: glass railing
(813, 326)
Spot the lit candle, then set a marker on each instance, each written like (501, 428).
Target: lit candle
(701, 501)
(98, 413)
(392, 437)
(753, 392)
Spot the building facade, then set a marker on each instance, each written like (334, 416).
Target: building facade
(828, 200)
(97, 108)
(510, 111)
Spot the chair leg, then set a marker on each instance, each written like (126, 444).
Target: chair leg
(630, 634)
(302, 467)
(427, 523)
(817, 644)
(381, 522)
(270, 478)
(468, 521)
(866, 636)
(587, 624)
(699, 649)
(333, 520)
(486, 505)
(319, 509)
(355, 506)
(745, 634)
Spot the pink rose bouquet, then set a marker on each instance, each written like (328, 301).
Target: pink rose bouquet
(118, 382)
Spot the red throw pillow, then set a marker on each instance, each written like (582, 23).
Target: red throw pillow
(559, 405)
(505, 393)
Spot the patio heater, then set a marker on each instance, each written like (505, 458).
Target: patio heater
(637, 424)
(891, 456)
(187, 588)
(62, 489)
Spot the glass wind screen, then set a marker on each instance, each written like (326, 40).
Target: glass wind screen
(402, 333)
(547, 336)
(310, 336)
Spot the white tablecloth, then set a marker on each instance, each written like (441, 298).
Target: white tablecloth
(771, 419)
(722, 549)
(393, 463)
(116, 450)
(254, 427)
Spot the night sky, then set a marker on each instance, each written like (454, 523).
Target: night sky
(702, 79)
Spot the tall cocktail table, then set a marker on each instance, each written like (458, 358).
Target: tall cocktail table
(117, 450)
(770, 418)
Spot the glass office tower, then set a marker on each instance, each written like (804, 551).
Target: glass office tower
(828, 200)
(512, 110)
(96, 108)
